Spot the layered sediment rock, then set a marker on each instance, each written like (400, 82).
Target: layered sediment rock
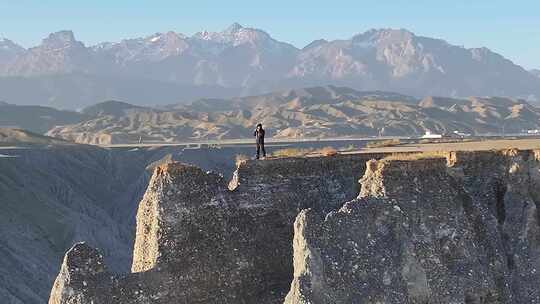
(458, 230)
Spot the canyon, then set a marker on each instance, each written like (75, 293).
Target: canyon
(55, 195)
(440, 227)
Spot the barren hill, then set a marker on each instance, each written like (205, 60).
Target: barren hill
(312, 112)
(23, 137)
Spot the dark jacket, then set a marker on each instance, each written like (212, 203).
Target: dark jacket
(259, 136)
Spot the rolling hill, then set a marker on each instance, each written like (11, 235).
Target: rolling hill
(312, 112)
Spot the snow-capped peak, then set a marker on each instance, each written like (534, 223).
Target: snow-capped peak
(8, 45)
(5, 41)
(375, 36)
(233, 28)
(205, 35)
(64, 36)
(165, 37)
(61, 39)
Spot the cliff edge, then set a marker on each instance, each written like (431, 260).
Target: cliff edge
(201, 240)
(459, 228)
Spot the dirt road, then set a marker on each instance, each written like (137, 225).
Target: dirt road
(483, 145)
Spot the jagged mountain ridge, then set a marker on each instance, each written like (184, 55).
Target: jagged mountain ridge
(231, 58)
(250, 62)
(9, 51)
(310, 112)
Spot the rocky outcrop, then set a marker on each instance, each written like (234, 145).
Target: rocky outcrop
(52, 197)
(458, 230)
(420, 232)
(82, 266)
(507, 186)
(201, 240)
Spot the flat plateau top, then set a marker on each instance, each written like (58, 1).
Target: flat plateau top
(480, 145)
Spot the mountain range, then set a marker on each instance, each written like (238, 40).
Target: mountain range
(171, 67)
(316, 112)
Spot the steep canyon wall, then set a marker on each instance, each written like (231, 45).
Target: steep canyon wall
(462, 228)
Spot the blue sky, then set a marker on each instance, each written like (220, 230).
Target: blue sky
(511, 28)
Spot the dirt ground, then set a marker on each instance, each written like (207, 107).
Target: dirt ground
(498, 144)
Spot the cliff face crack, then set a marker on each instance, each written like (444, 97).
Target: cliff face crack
(500, 191)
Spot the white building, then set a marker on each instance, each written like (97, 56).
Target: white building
(462, 134)
(431, 135)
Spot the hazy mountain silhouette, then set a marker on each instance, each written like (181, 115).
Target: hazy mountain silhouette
(311, 112)
(171, 67)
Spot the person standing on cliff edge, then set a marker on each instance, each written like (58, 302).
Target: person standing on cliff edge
(259, 137)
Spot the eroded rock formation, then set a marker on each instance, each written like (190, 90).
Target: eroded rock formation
(420, 232)
(52, 197)
(201, 240)
(464, 229)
